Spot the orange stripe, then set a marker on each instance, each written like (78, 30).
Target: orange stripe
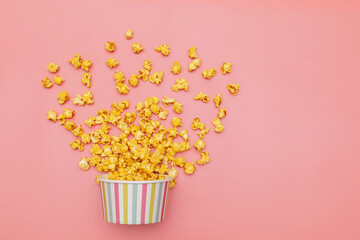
(152, 197)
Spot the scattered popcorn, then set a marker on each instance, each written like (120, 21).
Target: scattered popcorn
(222, 113)
(83, 164)
(62, 97)
(189, 168)
(137, 48)
(167, 101)
(86, 79)
(53, 68)
(199, 145)
(112, 62)
(233, 88)
(110, 46)
(76, 60)
(203, 132)
(58, 80)
(192, 52)
(194, 64)
(77, 145)
(134, 81)
(218, 126)
(176, 122)
(156, 77)
(46, 83)
(196, 124)
(204, 158)
(86, 65)
(147, 65)
(52, 115)
(177, 107)
(176, 68)
(129, 34)
(207, 74)
(217, 100)
(226, 68)
(203, 97)
(164, 49)
(67, 114)
(86, 98)
(181, 84)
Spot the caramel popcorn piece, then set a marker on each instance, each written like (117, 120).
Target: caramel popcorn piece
(203, 132)
(184, 134)
(147, 65)
(189, 168)
(233, 88)
(58, 80)
(217, 100)
(137, 48)
(52, 115)
(156, 77)
(77, 145)
(143, 74)
(163, 114)
(129, 34)
(207, 74)
(134, 81)
(123, 88)
(112, 62)
(110, 46)
(85, 138)
(76, 60)
(46, 83)
(83, 164)
(119, 77)
(176, 68)
(86, 79)
(203, 97)
(222, 113)
(204, 158)
(218, 126)
(196, 124)
(176, 122)
(52, 67)
(86, 98)
(69, 125)
(177, 107)
(164, 49)
(199, 145)
(192, 52)
(194, 64)
(181, 84)
(226, 68)
(86, 64)
(62, 97)
(67, 114)
(167, 101)
(78, 131)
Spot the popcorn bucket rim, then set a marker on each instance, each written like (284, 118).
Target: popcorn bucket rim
(104, 178)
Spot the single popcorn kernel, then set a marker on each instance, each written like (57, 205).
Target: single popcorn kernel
(86, 79)
(52, 115)
(123, 88)
(76, 60)
(137, 48)
(112, 62)
(196, 124)
(147, 65)
(83, 164)
(204, 158)
(119, 76)
(69, 125)
(218, 126)
(53, 68)
(194, 65)
(189, 168)
(110, 46)
(233, 88)
(167, 101)
(134, 81)
(164, 49)
(226, 68)
(192, 52)
(77, 145)
(143, 74)
(62, 97)
(203, 132)
(156, 77)
(176, 68)
(202, 96)
(222, 113)
(46, 83)
(199, 145)
(184, 134)
(163, 114)
(176, 122)
(129, 34)
(217, 100)
(207, 74)
(181, 84)
(86, 65)
(177, 107)
(58, 80)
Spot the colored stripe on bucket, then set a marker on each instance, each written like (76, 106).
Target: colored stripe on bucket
(104, 201)
(153, 186)
(117, 209)
(125, 193)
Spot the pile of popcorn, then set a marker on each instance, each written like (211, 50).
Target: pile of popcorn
(145, 149)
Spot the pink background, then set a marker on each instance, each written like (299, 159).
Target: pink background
(285, 167)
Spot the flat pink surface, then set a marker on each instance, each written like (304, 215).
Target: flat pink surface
(287, 164)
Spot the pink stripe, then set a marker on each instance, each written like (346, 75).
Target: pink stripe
(117, 207)
(102, 200)
(143, 204)
(163, 206)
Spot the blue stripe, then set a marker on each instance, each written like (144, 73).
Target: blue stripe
(134, 202)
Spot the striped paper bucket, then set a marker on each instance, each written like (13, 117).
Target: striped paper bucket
(134, 202)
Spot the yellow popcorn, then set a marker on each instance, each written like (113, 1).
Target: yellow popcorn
(86, 98)
(147, 65)
(217, 100)
(194, 65)
(69, 125)
(172, 183)
(76, 60)
(176, 122)
(119, 77)
(181, 84)
(52, 115)
(137, 48)
(196, 124)
(83, 164)
(202, 96)
(176, 68)
(226, 68)
(85, 138)
(203, 132)
(134, 81)
(222, 113)
(173, 173)
(123, 88)
(218, 126)
(189, 168)
(110, 46)
(46, 83)
(156, 77)
(129, 34)
(62, 97)
(177, 107)
(207, 74)
(112, 62)
(199, 145)
(86, 64)
(167, 101)
(67, 114)
(192, 52)
(77, 145)
(204, 158)
(86, 79)
(163, 114)
(143, 74)
(233, 88)
(58, 80)
(179, 161)
(164, 49)
(78, 131)
(184, 134)
(53, 68)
